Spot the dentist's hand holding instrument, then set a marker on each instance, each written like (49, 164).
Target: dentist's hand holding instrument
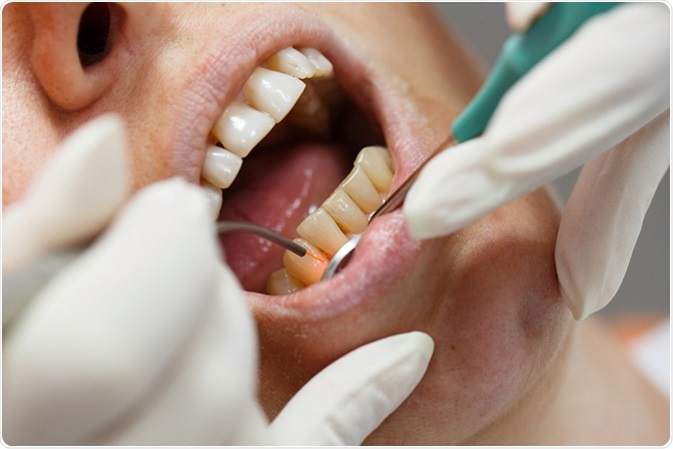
(143, 337)
(600, 98)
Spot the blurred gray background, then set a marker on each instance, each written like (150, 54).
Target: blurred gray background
(645, 289)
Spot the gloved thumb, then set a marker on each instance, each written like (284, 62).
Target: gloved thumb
(521, 15)
(453, 190)
(346, 401)
(98, 336)
(73, 199)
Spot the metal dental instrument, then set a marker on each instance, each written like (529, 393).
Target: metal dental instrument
(19, 288)
(519, 54)
(343, 254)
(224, 227)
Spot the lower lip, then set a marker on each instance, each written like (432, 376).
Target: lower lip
(384, 254)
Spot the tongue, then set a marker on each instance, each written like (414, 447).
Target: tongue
(276, 189)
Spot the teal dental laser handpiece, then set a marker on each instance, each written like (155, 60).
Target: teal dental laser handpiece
(520, 53)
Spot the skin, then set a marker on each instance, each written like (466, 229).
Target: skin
(511, 366)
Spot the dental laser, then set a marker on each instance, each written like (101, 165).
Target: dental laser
(520, 53)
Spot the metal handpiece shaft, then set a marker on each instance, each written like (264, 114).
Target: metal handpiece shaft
(520, 53)
(397, 197)
(343, 255)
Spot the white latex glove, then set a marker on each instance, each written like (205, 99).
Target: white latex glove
(145, 338)
(521, 15)
(607, 86)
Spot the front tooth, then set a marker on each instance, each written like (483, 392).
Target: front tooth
(273, 92)
(241, 128)
(213, 197)
(361, 190)
(292, 62)
(322, 231)
(377, 164)
(323, 67)
(307, 269)
(220, 167)
(345, 212)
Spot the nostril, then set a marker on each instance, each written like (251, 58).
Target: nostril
(93, 34)
(76, 54)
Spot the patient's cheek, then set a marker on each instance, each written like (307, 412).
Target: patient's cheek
(490, 301)
(502, 269)
(501, 303)
(25, 152)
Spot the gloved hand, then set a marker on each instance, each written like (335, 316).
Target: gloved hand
(606, 86)
(145, 337)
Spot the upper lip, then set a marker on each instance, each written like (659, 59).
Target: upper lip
(216, 81)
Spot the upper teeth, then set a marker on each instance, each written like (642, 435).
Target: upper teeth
(221, 167)
(303, 63)
(270, 93)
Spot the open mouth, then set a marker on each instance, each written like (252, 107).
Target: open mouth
(295, 154)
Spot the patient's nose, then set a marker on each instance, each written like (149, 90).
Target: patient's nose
(70, 45)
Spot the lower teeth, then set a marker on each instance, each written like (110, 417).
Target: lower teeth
(343, 214)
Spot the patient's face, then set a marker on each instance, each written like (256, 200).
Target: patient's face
(486, 294)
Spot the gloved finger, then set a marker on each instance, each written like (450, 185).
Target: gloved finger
(95, 339)
(604, 215)
(603, 84)
(74, 198)
(552, 121)
(200, 400)
(521, 15)
(454, 190)
(254, 428)
(346, 401)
